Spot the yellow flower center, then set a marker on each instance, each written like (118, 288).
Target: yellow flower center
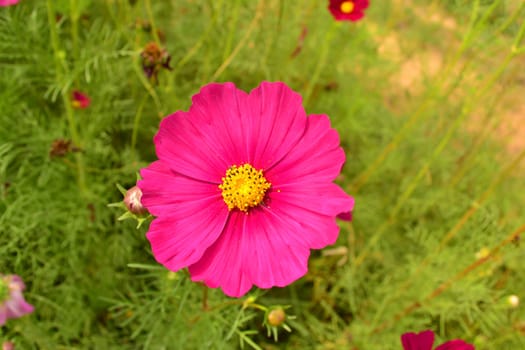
(243, 187)
(347, 7)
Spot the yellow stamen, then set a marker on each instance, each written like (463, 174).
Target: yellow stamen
(243, 187)
(347, 7)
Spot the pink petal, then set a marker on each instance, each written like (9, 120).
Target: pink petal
(276, 251)
(164, 191)
(317, 157)
(274, 122)
(16, 306)
(323, 198)
(3, 315)
(180, 238)
(8, 2)
(456, 344)
(420, 341)
(221, 113)
(184, 147)
(315, 230)
(268, 252)
(223, 265)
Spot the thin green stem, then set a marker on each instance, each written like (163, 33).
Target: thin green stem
(136, 122)
(232, 30)
(468, 107)
(253, 24)
(511, 19)
(149, 88)
(321, 62)
(151, 20)
(445, 285)
(362, 178)
(74, 27)
(60, 64)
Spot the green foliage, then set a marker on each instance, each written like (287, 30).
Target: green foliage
(432, 191)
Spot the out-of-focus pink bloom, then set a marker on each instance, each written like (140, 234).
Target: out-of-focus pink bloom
(80, 100)
(425, 340)
(243, 187)
(4, 3)
(348, 10)
(8, 346)
(12, 302)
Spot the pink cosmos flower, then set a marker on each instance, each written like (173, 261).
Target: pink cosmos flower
(4, 3)
(80, 100)
(12, 302)
(348, 10)
(425, 340)
(8, 346)
(243, 187)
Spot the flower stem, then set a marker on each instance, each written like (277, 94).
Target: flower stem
(152, 22)
(467, 108)
(320, 62)
(136, 122)
(59, 65)
(258, 14)
(445, 285)
(362, 178)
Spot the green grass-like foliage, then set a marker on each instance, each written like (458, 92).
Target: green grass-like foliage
(433, 181)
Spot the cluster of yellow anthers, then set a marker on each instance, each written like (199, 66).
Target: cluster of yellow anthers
(347, 7)
(243, 187)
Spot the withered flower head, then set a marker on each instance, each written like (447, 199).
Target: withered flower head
(154, 59)
(61, 147)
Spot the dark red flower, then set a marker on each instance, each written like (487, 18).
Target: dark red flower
(80, 100)
(348, 10)
(424, 341)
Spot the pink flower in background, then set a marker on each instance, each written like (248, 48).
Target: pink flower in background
(4, 3)
(8, 346)
(425, 340)
(348, 10)
(80, 100)
(243, 187)
(12, 302)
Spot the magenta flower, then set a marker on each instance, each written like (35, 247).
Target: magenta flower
(12, 302)
(80, 100)
(348, 10)
(425, 340)
(243, 188)
(4, 3)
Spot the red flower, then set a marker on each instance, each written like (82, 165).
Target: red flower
(80, 100)
(424, 341)
(348, 10)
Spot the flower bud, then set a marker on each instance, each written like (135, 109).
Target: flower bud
(513, 301)
(132, 201)
(276, 317)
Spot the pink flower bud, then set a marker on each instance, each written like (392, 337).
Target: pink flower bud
(132, 201)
